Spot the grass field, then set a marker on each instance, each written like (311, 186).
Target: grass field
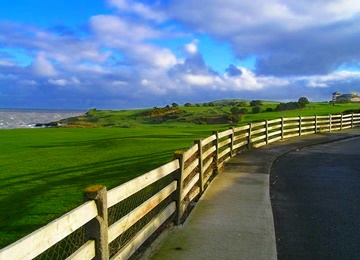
(44, 171)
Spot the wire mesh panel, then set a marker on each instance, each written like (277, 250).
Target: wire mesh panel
(241, 138)
(308, 125)
(65, 247)
(131, 215)
(209, 163)
(274, 132)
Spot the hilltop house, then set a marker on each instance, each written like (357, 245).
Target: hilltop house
(338, 97)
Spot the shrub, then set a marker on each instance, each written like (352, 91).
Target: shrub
(255, 103)
(256, 110)
(303, 101)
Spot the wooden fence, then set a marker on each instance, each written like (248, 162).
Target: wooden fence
(117, 222)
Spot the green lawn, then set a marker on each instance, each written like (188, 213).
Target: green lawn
(44, 171)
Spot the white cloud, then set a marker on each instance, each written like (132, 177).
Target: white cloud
(140, 9)
(64, 82)
(198, 80)
(42, 67)
(6, 63)
(192, 48)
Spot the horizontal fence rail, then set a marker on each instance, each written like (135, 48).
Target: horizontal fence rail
(114, 224)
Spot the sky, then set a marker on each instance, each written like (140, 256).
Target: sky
(124, 54)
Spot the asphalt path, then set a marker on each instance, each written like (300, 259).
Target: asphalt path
(315, 196)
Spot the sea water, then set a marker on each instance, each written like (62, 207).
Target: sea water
(28, 118)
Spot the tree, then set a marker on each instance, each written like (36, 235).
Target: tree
(243, 111)
(187, 105)
(175, 104)
(303, 101)
(255, 103)
(256, 110)
(242, 104)
(235, 110)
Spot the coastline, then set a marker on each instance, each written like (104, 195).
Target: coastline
(14, 118)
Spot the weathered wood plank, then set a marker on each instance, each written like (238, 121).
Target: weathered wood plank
(307, 117)
(322, 117)
(254, 132)
(240, 144)
(138, 213)
(274, 139)
(145, 233)
(129, 188)
(255, 139)
(307, 127)
(291, 135)
(225, 133)
(189, 153)
(274, 133)
(37, 242)
(224, 143)
(291, 130)
(259, 144)
(307, 132)
(335, 116)
(208, 140)
(225, 152)
(274, 127)
(241, 128)
(291, 118)
(241, 136)
(194, 193)
(291, 124)
(190, 168)
(189, 186)
(253, 125)
(209, 151)
(85, 252)
(274, 121)
(208, 163)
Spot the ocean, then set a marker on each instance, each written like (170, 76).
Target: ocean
(27, 118)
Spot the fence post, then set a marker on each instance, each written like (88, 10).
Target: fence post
(232, 142)
(249, 136)
(282, 128)
(352, 120)
(267, 131)
(201, 166)
(97, 228)
(300, 125)
(216, 133)
(341, 122)
(179, 155)
(315, 124)
(330, 123)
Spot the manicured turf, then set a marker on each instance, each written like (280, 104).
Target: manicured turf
(44, 171)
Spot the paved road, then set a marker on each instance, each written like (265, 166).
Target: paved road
(233, 219)
(316, 201)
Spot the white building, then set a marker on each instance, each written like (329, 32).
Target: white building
(338, 97)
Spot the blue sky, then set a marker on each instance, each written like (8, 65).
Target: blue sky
(118, 54)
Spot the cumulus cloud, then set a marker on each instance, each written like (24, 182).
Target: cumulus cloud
(288, 37)
(192, 48)
(42, 67)
(138, 8)
(129, 59)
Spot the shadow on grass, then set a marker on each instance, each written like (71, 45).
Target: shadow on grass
(40, 187)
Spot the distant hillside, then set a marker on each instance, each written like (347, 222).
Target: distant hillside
(225, 112)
